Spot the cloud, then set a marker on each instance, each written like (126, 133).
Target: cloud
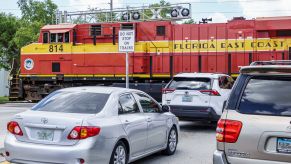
(253, 9)
(218, 18)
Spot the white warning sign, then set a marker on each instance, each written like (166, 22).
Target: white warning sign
(126, 39)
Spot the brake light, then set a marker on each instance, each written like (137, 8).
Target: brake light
(167, 90)
(83, 132)
(14, 128)
(211, 92)
(228, 130)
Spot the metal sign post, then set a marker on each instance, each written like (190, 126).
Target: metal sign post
(126, 40)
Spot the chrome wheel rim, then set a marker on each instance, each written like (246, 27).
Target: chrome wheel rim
(172, 140)
(119, 155)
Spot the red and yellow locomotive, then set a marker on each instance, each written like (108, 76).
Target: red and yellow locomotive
(87, 54)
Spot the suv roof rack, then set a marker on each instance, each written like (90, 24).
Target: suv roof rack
(271, 62)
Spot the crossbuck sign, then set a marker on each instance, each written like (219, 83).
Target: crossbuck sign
(126, 40)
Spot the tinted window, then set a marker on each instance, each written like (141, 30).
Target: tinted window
(190, 83)
(67, 37)
(267, 96)
(45, 37)
(147, 104)
(53, 38)
(127, 26)
(128, 104)
(284, 33)
(60, 37)
(73, 102)
(161, 30)
(56, 67)
(96, 30)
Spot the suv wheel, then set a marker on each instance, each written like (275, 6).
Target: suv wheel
(172, 142)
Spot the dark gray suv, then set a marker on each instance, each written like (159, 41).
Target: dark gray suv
(255, 126)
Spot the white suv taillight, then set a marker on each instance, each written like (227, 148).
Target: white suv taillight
(83, 132)
(167, 90)
(14, 128)
(211, 92)
(228, 130)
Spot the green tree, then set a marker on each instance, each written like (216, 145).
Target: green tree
(27, 33)
(16, 33)
(8, 49)
(33, 10)
(189, 21)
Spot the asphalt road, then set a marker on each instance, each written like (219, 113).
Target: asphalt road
(196, 142)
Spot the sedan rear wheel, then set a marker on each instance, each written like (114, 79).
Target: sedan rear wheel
(119, 154)
(172, 142)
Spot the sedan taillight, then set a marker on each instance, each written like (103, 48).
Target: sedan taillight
(83, 132)
(228, 130)
(14, 128)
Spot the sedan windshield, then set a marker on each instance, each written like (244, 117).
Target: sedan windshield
(73, 102)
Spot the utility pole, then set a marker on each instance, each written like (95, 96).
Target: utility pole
(111, 9)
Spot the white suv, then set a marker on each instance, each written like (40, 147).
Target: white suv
(197, 96)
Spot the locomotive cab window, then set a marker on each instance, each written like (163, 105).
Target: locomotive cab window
(96, 30)
(56, 67)
(53, 38)
(67, 37)
(45, 37)
(60, 37)
(161, 30)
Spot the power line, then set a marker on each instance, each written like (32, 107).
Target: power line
(192, 2)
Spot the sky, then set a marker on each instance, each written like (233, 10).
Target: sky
(219, 10)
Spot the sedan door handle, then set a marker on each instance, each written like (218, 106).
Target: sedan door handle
(126, 122)
(149, 120)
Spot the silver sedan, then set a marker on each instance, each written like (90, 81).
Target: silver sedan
(91, 125)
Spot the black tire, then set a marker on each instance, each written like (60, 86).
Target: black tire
(171, 149)
(119, 145)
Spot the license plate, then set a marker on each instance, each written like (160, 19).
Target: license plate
(45, 135)
(284, 145)
(187, 99)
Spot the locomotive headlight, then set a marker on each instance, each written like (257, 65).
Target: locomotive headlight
(135, 15)
(174, 13)
(125, 16)
(185, 12)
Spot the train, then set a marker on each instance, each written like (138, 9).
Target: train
(69, 55)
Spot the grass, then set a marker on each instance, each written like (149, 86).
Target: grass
(3, 100)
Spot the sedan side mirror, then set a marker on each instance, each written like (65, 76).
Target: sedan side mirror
(165, 108)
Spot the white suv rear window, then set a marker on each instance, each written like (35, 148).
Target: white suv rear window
(180, 83)
(267, 96)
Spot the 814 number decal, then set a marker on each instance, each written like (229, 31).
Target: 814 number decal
(56, 48)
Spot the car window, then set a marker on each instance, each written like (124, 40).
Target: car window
(127, 104)
(267, 96)
(73, 102)
(179, 83)
(225, 82)
(147, 104)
